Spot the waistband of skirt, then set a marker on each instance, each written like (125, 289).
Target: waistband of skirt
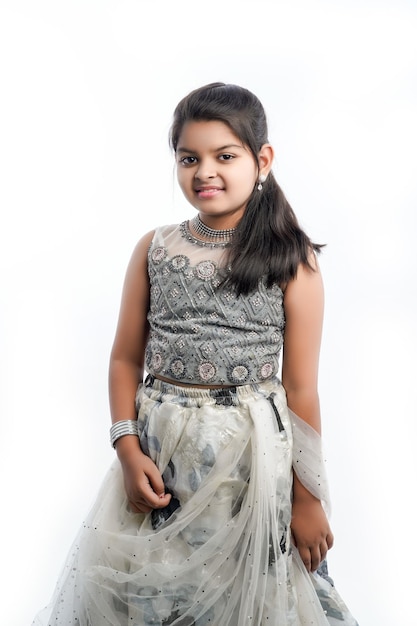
(226, 396)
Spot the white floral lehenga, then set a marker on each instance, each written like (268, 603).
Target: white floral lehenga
(220, 554)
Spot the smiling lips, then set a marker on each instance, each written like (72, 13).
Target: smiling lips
(208, 192)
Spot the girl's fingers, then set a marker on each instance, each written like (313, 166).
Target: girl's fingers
(313, 556)
(155, 500)
(315, 559)
(149, 501)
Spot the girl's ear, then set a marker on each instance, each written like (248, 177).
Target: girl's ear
(265, 159)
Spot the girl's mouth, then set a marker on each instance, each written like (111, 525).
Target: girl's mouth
(208, 192)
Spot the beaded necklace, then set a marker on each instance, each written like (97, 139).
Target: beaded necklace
(223, 235)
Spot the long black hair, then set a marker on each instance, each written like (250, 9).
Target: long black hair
(268, 242)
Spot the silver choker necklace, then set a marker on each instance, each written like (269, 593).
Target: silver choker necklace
(206, 232)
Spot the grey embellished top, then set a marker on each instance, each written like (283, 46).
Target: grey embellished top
(200, 331)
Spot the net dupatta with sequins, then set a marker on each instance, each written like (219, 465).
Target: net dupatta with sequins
(308, 460)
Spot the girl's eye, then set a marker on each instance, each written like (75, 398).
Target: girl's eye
(226, 157)
(188, 160)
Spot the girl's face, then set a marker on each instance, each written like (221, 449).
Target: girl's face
(216, 172)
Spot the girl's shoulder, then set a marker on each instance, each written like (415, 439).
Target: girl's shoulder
(164, 236)
(165, 230)
(156, 237)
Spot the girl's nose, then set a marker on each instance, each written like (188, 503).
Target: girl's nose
(205, 170)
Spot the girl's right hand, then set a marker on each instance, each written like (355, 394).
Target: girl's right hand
(143, 482)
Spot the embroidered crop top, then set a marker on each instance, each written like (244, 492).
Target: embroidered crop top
(200, 331)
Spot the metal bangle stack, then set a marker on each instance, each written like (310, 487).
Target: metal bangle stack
(122, 428)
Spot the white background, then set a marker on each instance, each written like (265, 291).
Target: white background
(87, 94)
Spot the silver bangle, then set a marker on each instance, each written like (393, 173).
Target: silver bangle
(122, 428)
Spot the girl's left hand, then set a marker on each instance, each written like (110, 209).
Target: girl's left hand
(311, 532)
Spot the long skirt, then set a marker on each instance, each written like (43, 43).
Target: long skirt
(220, 554)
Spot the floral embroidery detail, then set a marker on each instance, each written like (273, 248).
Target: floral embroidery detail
(165, 342)
(266, 370)
(177, 368)
(179, 263)
(206, 270)
(207, 371)
(239, 374)
(156, 362)
(196, 323)
(158, 254)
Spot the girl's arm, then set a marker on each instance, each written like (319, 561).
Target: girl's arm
(143, 482)
(303, 304)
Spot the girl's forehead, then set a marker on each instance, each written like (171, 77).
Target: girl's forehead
(206, 133)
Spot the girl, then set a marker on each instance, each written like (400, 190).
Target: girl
(216, 510)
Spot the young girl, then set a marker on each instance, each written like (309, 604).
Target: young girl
(216, 510)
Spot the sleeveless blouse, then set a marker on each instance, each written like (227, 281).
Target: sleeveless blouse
(201, 332)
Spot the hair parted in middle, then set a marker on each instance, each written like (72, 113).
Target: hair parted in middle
(268, 242)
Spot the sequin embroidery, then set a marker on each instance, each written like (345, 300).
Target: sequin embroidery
(200, 331)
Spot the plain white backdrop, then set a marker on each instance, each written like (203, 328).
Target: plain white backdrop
(88, 88)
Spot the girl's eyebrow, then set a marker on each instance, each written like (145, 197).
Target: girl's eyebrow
(226, 147)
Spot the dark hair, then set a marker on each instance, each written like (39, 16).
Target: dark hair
(268, 241)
